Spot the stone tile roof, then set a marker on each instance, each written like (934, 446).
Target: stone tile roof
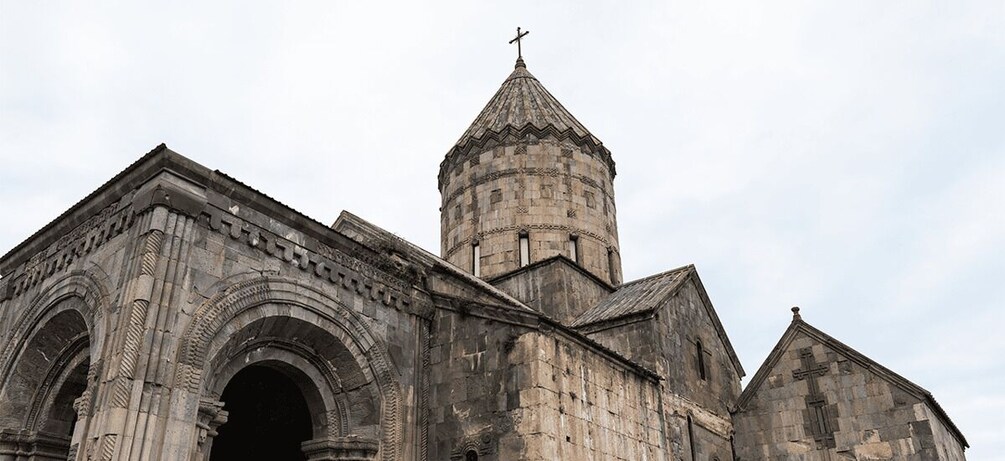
(635, 297)
(523, 107)
(522, 100)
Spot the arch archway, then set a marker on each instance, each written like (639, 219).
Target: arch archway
(40, 395)
(41, 401)
(90, 291)
(268, 415)
(276, 319)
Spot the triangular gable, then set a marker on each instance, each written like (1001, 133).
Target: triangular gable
(646, 295)
(799, 326)
(719, 329)
(557, 259)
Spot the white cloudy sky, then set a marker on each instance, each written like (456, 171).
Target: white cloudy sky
(847, 157)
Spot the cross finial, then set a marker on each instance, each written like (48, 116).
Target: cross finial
(519, 49)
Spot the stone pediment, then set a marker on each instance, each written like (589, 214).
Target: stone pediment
(798, 328)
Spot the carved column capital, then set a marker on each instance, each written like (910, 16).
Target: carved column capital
(341, 449)
(211, 416)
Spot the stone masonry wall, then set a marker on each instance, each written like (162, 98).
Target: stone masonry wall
(667, 343)
(864, 415)
(509, 392)
(580, 406)
(549, 189)
(555, 288)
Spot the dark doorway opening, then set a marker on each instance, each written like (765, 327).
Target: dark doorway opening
(268, 418)
(62, 417)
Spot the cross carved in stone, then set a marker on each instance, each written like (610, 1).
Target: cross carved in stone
(817, 420)
(519, 36)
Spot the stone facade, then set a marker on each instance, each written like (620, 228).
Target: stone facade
(141, 323)
(539, 175)
(817, 399)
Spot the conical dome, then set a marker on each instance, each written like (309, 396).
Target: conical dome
(523, 106)
(527, 182)
(522, 100)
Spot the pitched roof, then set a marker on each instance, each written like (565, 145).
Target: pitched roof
(376, 237)
(635, 297)
(799, 326)
(647, 294)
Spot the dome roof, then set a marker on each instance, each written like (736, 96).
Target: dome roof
(523, 107)
(522, 100)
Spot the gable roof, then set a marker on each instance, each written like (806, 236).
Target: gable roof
(647, 294)
(798, 326)
(635, 297)
(376, 238)
(557, 259)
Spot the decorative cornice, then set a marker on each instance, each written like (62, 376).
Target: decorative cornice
(81, 241)
(510, 134)
(365, 276)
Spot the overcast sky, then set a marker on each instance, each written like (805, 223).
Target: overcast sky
(846, 157)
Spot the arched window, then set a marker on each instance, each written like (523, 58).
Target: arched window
(701, 360)
(574, 247)
(690, 438)
(471, 455)
(524, 248)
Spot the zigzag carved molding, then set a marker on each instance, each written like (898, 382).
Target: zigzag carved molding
(460, 154)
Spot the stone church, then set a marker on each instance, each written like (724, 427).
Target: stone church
(177, 313)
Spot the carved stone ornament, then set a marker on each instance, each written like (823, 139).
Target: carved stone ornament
(349, 448)
(25, 444)
(480, 443)
(211, 416)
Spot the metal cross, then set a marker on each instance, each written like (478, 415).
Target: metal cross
(519, 36)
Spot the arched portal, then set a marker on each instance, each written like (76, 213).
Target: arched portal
(41, 395)
(349, 382)
(267, 417)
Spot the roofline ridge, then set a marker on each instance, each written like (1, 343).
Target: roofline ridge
(851, 353)
(658, 274)
(160, 149)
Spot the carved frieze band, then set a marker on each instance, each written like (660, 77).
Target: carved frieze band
(327, 263)
(526, 171)
(79, 242)
(459, 154)
(517, 228)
